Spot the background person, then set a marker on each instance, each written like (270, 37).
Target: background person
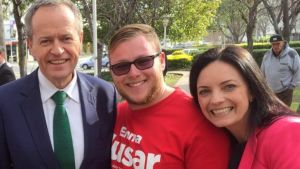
(281, 68)
(157, 127)
(232, 93)
(35, 131)
(6, 72)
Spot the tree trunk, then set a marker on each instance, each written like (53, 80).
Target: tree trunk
(285, 20)
(88, 15)
(21, 40)
(251, 24)
(272, 16)
(2, 41)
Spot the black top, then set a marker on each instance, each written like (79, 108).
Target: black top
(6, 74)
(236, 153)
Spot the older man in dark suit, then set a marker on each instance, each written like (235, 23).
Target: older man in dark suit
(56, 117)
(6, 72)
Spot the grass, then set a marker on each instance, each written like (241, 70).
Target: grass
(172, 78)
(296, 99)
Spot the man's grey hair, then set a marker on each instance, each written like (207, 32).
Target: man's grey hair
(41, 3)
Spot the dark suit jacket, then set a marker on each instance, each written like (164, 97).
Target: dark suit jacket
(6, 74)
(24, 138)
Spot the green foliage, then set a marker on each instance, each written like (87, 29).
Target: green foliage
(229, 20)
(294, 44)
(181, 64)
(193, 53)
(258, 55)
(267, 45)
(258, 52)
(296, 99)
(191, 19)
(258, 45)
(111, 15)
(263, 39)
(106, 76)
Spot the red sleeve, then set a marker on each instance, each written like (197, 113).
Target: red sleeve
(210, 149)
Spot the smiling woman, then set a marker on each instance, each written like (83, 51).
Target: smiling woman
(232, 93)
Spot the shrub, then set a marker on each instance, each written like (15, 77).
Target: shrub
(295, 44)
(258, 55)
(259, 49)
(179, 64)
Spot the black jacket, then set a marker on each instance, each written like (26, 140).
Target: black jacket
(6, 74)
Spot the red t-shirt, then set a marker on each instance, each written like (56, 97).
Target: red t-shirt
(172, 134)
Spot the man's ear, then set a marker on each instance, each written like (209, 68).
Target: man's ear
(29, 43)
(81, 37)
(163, 60)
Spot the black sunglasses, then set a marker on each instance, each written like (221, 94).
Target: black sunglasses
(142, 63)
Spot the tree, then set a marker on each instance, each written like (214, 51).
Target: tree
(191, 18)
(285, 19)
(291, 9)
(285, 11)
(111, 15)
(262, 25)
(17, 11)
(250, 17)
(230, 23)
(2, 42)
(185, 24)
(273, 8)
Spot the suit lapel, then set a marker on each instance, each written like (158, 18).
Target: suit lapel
(34, 114)
(88, 98)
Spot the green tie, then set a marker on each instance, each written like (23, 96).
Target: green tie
(62, 138)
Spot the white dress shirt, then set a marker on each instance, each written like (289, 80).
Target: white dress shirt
(73, 108)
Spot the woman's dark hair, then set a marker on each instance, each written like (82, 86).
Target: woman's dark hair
(265, 107)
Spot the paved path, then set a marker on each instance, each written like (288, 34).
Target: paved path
(183, 82)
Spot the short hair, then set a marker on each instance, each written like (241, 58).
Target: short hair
(265, 106)
(42, 3)
(133, 30)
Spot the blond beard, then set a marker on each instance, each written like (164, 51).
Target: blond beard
(153, 93)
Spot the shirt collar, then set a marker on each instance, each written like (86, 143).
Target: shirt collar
(47, 89)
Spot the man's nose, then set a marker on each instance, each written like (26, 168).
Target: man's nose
(57, 48)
